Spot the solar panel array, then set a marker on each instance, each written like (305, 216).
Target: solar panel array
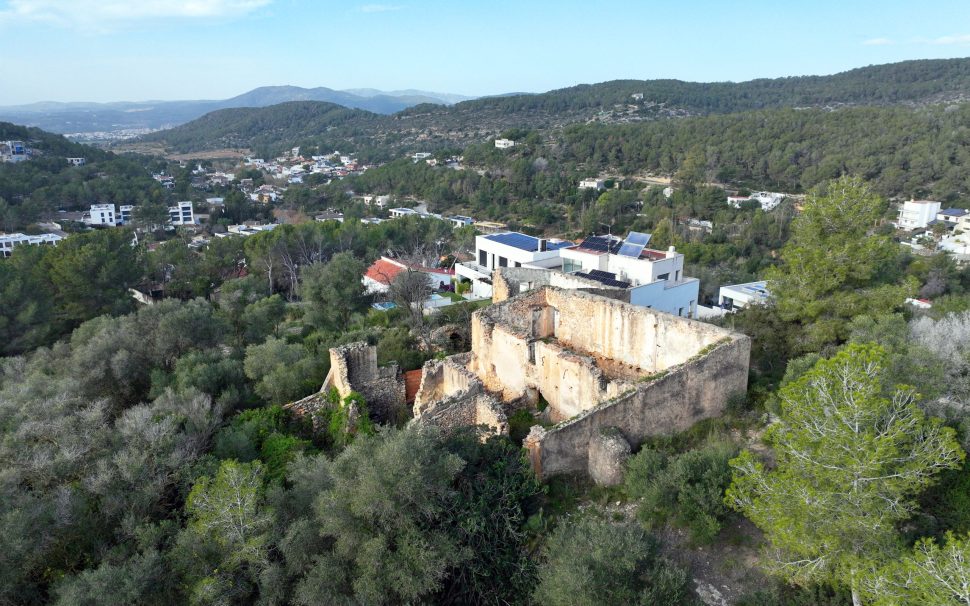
(634, 244)
(601, 244)
(516, 240)
(604, 277)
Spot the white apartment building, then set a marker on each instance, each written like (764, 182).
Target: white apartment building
(102, 214)
(654, 278)
(508, 249)
(76, 161)
(504, 143)
(181, 214)
(10, 241)
(124, 214)
(738, 296)
(917, 214)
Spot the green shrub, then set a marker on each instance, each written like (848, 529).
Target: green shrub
(592, 561)
(685, 489)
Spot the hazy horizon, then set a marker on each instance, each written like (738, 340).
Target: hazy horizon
(165, 50)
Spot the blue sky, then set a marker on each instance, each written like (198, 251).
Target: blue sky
(111, 50)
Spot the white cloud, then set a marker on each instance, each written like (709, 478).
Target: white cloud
(101, 15)
(379, 8)
(878, 42)
(950, 40)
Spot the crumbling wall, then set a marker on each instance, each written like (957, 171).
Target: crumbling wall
(608, 454)
(441, 379)
(354, 367)
(570, 382)
(627, 334)
(696, 390)
(464, 410)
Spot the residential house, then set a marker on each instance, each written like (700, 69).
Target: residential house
(76, 161)
(504, 143)
(917, 214)
(13, 151)
(182, 213)
(654, 278)
(508, 249)
(596, 184)
(102, 214)
(382, 272)
(738, 296)
(397, 213)
(125, 214)
(951, 216)
(768, 200)
(460, 220)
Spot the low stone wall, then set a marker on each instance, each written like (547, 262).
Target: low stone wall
(480, 410)
(695, 390)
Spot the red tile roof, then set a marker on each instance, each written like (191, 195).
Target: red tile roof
(384, 271)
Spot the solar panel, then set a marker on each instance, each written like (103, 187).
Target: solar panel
(599, 273)
(516, 240)
(634, 244)
(594, 243)
(603, 279)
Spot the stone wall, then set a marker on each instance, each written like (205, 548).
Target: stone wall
(509, 282)
(354, 367)
(479, 410)
(628, 334)
(441, 379)
(597, 361)
(695, 390)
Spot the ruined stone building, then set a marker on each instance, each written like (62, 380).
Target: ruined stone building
(611, 373)
(353, 368)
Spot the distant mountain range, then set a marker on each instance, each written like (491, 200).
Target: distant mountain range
(83, 117)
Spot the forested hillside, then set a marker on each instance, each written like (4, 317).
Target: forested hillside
(37, 188)
(910, 83)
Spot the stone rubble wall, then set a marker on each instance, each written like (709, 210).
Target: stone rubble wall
(354, 367)
(696, 390)
(480, 410)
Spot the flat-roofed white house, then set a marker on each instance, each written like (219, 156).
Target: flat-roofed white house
(654, 278)
(592, 184)
(508, 249)
(460, 220)
(917, 214)
(504, 143)
(102, 214)
(738, 296)
(76, 161)
(951, 216)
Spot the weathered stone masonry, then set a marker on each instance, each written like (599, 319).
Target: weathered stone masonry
(354, 367)
(598, 362)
